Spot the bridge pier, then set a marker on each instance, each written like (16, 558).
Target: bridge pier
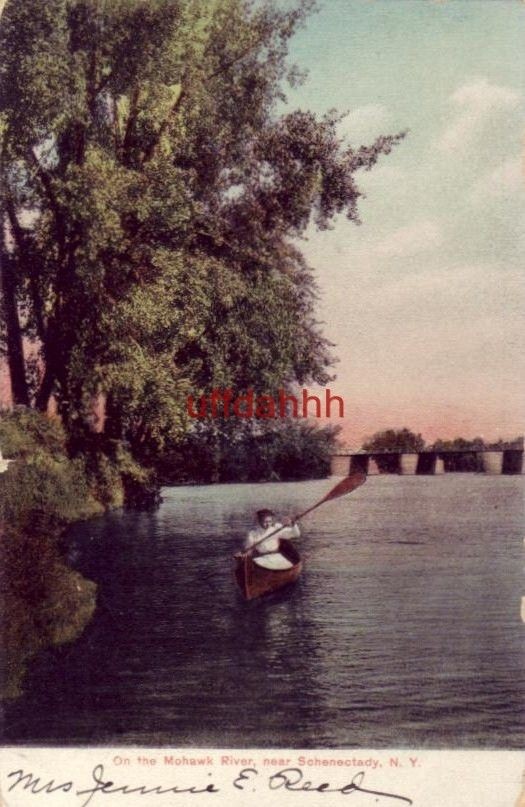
(513, 462)
(426, 464)
(339, 465)
(430, 464)
(491, 461)
(359, 462)
(408, 464)
(373, 467)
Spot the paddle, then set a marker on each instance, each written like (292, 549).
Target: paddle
(346, 485)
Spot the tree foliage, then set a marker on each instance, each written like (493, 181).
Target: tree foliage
(460, 443)
(151, 201)
(460, 453)
(394, 440)
(279, 450)
(42, 600)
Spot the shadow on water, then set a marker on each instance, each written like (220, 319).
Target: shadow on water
(173, 654)
(401, 631)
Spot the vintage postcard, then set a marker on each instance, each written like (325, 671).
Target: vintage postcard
(262, 402)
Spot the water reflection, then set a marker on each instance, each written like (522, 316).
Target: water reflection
(404, 629)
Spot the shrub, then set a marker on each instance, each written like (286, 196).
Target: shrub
(43, 601)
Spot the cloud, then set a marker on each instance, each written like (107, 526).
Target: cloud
(364, 123)
(475, 103)
(479, 288)
(483, 95)
(410, 240)
(504, 180)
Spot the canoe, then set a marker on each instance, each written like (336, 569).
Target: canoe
(254, 581)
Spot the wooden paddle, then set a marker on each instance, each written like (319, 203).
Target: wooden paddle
(346, 485)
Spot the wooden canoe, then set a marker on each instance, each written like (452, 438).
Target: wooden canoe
(254, 581)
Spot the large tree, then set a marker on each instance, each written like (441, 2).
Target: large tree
(151, 202)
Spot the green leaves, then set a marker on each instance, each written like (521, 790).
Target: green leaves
(273, 450)
(155, 200)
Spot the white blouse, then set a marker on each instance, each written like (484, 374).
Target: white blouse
(270, 544)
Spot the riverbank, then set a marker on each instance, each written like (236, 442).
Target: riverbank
(43, 601)
(388, 636)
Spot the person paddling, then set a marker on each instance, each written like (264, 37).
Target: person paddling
(278, 554)
(266, 549)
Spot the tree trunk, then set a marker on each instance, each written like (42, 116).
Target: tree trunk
(46, 388)
(15, 352)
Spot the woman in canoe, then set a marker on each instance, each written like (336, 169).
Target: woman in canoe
(266, 550)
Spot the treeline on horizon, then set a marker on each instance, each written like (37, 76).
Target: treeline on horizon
(397, 440)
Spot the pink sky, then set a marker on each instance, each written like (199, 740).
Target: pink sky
(432, 420)
(425, 302)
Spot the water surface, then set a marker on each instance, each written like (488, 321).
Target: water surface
(403, 631)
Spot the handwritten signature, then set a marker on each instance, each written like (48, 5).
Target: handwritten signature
(288, 779)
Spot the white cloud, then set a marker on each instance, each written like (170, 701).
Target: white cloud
(411, 240)
(483, 95)
(363, 124)
(449, 289)
(475, 102)
(506, 179)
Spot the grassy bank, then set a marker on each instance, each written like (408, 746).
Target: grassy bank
(43, 601)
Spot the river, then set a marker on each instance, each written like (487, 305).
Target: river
(404, 630)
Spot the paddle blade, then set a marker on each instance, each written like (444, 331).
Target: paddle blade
(346, 485)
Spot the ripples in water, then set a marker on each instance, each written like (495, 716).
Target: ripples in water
(403, 631)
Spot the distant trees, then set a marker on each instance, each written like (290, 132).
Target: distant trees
(459, 443)
(465, 461)
(459, 454)
(280, 450)
(394, 440)
(478, 443)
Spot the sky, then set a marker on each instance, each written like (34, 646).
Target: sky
(425, 300)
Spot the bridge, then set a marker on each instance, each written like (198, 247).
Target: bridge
(427, 461)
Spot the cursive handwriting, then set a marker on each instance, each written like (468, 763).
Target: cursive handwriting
(293, 779)
(101, 785)
(287, 779)
(126, 790)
